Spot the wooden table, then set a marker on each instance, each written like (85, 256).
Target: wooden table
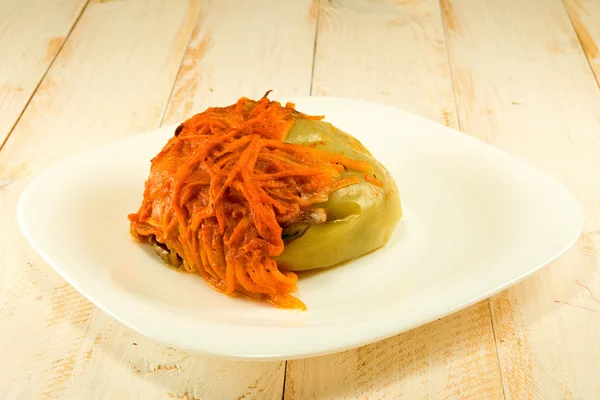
(521, 75)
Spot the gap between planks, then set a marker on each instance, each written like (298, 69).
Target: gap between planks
(317, 4)
(447, 18)
(50, 64)
(588, 45)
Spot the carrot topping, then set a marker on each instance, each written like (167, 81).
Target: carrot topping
(342, 183)
(221, 188)
(373, 180)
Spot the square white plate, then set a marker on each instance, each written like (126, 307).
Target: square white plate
(476, 220)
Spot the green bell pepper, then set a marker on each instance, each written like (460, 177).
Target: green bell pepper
(360, 217)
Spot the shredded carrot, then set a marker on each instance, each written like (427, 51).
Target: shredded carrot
(221, 188)
(373, 180)
(342, 183)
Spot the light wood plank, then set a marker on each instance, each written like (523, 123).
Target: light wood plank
(524, 85)
(265, 45)
(585, 16)
(113, 77)
(396, 54)
(31, 33)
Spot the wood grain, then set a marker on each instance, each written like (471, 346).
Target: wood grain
(522, 73)
(246, 53)
(31, 33)
(396, 54)
(113, 77)
(524, 85)
(585, 16)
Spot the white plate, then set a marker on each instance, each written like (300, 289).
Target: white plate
(476, 220)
